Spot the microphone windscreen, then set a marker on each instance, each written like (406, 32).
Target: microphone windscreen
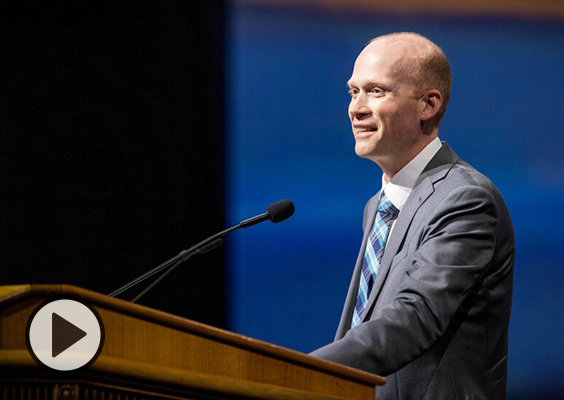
(281, 210)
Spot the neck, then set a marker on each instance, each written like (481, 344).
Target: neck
(393, 164)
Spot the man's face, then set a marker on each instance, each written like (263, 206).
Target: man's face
(385, 117)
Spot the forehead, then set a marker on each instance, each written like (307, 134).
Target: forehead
(386, 61)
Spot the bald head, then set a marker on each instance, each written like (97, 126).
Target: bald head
(420, 62)
(399, 89)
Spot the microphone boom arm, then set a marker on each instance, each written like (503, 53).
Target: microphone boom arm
(276, 212)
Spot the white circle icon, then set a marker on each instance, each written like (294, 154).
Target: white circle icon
(65, 334)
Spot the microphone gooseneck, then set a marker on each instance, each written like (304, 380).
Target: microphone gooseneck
(276, 212)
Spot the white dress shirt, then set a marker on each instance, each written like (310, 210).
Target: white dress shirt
(400, 186)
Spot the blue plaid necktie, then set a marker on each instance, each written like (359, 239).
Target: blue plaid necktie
(375, 245)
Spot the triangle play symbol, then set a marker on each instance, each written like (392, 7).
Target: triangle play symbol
(64, 334)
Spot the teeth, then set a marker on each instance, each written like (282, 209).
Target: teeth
(365, 129)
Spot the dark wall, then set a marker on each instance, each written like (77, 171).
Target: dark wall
(112, 146)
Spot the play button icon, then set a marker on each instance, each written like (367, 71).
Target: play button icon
(65, 334)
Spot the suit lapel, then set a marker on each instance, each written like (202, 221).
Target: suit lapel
(436, 170)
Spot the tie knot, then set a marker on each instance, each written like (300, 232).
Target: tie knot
(385, 207)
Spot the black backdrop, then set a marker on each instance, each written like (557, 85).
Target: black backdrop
(112, 146)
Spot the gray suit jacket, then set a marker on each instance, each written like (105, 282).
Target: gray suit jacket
(437, 317)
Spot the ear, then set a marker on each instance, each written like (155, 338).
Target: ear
(432, 102)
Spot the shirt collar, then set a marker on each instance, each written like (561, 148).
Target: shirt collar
(401, 185)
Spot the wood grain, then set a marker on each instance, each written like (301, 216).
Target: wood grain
(157, 340)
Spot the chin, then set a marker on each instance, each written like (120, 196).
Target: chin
(363, 151)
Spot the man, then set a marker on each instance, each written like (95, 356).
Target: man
(429, 301)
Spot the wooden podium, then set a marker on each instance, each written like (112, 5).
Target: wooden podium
(149, 354)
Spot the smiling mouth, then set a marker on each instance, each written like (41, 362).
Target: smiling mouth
(364, 131)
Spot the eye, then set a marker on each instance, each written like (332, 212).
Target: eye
(377, 91)
(353, 92)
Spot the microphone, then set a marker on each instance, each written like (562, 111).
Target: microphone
(276, 212)
(280, 211)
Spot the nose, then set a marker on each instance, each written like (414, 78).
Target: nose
(358, 109)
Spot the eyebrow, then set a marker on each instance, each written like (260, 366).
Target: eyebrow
(370, 83)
